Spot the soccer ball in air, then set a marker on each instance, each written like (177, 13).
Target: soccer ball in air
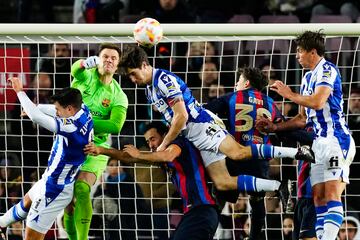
(148, 32)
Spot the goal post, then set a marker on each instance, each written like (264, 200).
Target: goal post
(206, 57)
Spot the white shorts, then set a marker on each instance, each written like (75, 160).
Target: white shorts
(330, 162)
(207, 137)
(44, 210)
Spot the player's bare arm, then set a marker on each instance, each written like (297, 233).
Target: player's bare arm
(298, 122)
(168, 155)
(131, 154)
(315, 101)
(177, 124)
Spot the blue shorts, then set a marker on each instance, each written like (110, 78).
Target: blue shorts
(199, 223)
(304, 219)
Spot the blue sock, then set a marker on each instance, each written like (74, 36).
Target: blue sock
(319, 225)
(262, 151)
(333, 219)
(16, 213)
(246, 183)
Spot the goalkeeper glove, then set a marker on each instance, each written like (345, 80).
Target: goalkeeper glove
(91, 62)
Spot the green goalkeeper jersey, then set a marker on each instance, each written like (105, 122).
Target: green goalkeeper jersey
(107, 103)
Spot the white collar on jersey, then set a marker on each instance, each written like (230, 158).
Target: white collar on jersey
(319, 65)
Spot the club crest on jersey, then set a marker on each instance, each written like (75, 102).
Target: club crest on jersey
(326, 71)
(105, 102)
(67, 121)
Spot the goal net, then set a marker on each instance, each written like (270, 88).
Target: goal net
(138, 201)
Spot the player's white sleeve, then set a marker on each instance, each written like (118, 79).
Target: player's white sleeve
(35, 114)
(48, 109)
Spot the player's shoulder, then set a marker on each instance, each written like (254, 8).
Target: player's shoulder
(164, 76)
(116, 87)
(179, 141)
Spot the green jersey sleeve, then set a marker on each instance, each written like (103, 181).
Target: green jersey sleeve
(114, 124)
(80, 74)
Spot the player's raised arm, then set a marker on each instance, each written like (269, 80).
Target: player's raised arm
(78, 69)
(48, 109)
(34, 113)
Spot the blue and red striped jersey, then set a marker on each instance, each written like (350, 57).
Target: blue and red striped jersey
(187, 172)
(241, 108)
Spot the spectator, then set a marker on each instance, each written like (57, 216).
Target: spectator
(10, 173)
(354, 126)
(232, 219)
(271, 70)
(344, 7)
(119, 194)
(41, 86)
(46, 11)
(200, 52)
(302, 9)
(172, 11)
(354, 110)
(215, 91)
(288, 227)
(15, 231)
(201, 83)
(97, 11)
(349, 229)
(57, 65)
(153, 183)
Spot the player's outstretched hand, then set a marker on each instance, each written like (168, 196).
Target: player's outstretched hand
(132, 151)
(263, 124)
(281, 89)
(91, 62)
(16, 84)
(92, 149)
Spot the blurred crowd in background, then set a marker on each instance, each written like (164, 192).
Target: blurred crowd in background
(209, 68)
(167, 11)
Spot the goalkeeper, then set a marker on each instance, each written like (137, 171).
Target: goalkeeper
(108, 105)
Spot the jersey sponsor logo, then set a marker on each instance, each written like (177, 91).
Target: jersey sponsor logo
(334, 163)
(106, 102)
(94, 113)
(161, 105)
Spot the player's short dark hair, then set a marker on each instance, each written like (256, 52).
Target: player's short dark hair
(256, 77)
(160, 127)
(133, 57)
(109, 46)
(68, 96)
(312, 40)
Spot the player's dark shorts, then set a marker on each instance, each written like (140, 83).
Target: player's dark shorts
(199, 223)
(304, 219)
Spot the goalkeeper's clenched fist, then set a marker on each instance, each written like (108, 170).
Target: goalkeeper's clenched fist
(90, 62)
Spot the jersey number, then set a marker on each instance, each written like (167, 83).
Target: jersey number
(242, 114)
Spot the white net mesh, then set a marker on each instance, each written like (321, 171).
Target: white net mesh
(134, 202)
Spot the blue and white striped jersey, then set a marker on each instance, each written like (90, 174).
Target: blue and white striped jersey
(67, 153)
(330, 120)
(165, 89)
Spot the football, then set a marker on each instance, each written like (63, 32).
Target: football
(148, 32)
